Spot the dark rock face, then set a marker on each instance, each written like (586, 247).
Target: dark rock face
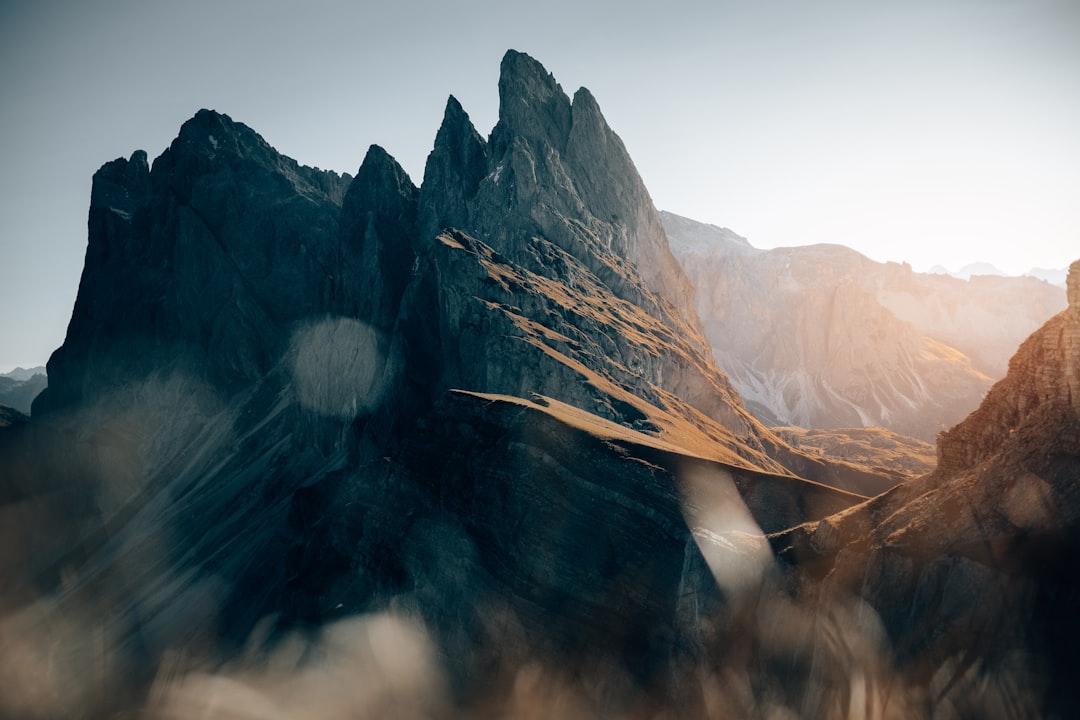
(973, 568)
(378, 227)
(554, 169)
(202, 264)
(823, 337)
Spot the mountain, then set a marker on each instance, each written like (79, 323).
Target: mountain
(968, 271)
(822, 337)
(475, 423)
(1054, 276)
(19, 387)
(972, 569)
(976, 268)
(22, 374)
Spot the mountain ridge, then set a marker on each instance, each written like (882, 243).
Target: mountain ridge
(822, 337)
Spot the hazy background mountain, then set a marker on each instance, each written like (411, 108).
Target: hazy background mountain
(10, 416)
(1054, 276)
(976, 268)
(19, 387)
(823, 337)
(22, 374)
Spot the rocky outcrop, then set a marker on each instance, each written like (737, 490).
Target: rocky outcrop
(378, 227)
(823, 337)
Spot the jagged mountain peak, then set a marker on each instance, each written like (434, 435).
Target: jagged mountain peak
(215, 132)
(119, 185)
(198, 261)
(456, 124)
(377, 230)
(212, 143)
(555, 170)
(455, 166)
(531, 103)
(378, 163)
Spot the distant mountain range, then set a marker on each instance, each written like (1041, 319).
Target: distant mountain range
(19, 387)
(823, 337)
(1054, 276)
(22, 374)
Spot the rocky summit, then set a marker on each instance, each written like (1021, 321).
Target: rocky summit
(318, 446)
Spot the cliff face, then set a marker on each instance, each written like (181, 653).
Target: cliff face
(553, 168)
(202, 265)
(823, 337)
(1040, 395)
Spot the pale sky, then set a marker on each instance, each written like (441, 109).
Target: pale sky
(928, 131)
